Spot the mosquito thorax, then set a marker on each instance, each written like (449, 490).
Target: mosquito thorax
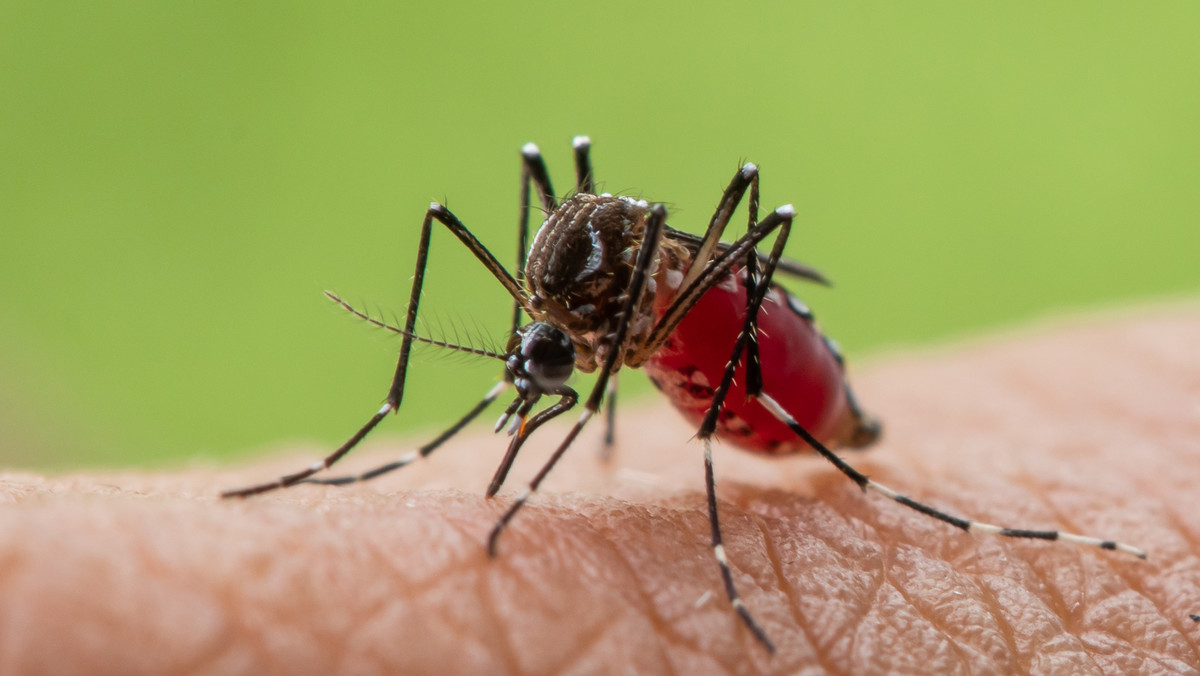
(581, 258)
(579, 266)
(541, 358)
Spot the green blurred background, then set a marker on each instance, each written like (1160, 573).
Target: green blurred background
(180, 181)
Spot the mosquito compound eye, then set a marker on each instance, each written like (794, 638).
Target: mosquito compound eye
(549, 355)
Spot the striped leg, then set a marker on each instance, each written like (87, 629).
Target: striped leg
(533, 174)
(718, 547)
(968, 525)
(440, 214)
(756, 289)
(421, 452)
(524, 428)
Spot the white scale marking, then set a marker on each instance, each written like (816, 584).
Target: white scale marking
(719, 552)
(595, 255)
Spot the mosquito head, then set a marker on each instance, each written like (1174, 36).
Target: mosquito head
(541, 359)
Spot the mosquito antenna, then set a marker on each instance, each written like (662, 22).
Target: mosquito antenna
(421, 339)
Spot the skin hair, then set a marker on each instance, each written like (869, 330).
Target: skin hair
(1090, 426)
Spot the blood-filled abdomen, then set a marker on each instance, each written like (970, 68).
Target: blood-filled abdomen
(801, 370)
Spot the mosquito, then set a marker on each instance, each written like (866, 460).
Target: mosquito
(606, 283)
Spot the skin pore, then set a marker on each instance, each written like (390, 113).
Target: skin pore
(1091, 426)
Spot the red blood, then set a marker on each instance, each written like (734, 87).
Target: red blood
(799, 371)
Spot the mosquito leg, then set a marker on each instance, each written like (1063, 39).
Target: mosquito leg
(585, 184)
(441, 214)
(753, 286)
(533, 173)
(584, 179)
(655, 224)
(967, 525)
(533, 169)
(746, 177)
(567, 401)
(717, 269)
(610, 419)
(718, 547)
(517, 431)
(747, 341)
(754, 389)
(421, 452)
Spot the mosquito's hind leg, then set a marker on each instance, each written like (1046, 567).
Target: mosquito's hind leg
(757, 286)
(968, 525)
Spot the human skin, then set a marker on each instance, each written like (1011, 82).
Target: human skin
(1091, 426)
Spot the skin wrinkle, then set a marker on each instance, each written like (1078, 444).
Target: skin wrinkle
(1058, 605)
(1184, 625)
(369, 616)
(859, 619)
(572, 516)
(967, 588)
(1046, 591)
(772, 555)
(696, 525)
(666, 633)
(1049, 595)
(1035, 648)
(487, 603)
(1131, 582)
(864, 530)
(1053, 602)
(1003, 626)
(891, 581)
(272, 619)
(1133, 585)
(789, 593)
(683, 511)
(417, 589)
(460, 627)
(976, 540)
(398, 616)
(841, 502)
(604, 627)
(565, 540)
